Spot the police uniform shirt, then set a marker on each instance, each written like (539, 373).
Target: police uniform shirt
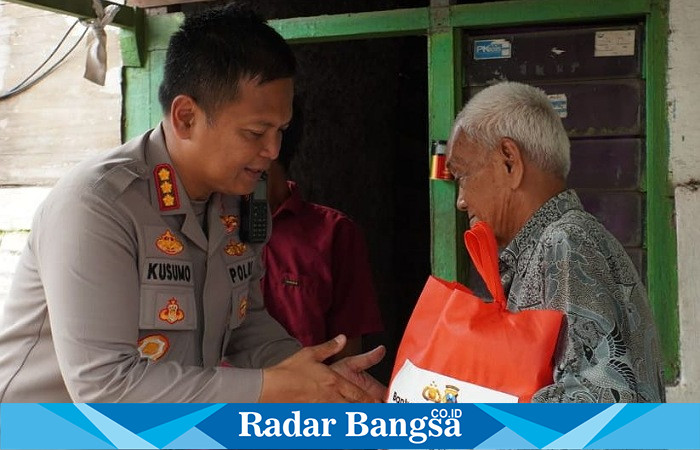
(120, 296)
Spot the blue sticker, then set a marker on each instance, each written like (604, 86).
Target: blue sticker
(560, 104)
(492, 49)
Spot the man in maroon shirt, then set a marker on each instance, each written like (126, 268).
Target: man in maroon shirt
(318, 282)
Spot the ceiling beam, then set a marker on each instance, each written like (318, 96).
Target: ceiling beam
(125, 18)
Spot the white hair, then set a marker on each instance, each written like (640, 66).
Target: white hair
(524, 114)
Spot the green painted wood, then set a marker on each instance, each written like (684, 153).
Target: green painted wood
(398, 22)
(156, 62)
(133, 42)
(160, 28)
(125, 18)
(448, 257)
(136, 102)
(662, 259)
(523, 12)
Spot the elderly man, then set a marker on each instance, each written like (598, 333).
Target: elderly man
(510, 156)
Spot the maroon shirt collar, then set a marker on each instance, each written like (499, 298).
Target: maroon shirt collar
(293, 203)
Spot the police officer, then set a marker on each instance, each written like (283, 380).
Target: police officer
(135, 283)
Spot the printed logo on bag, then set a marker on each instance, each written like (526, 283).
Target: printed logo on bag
(242, 307)
(169, 244)
(234, 248)
(172, 313)
(166, 187)
(431, 393)
(153, 346)
(230, 223)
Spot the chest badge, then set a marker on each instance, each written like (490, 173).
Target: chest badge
(169, 244)
(230, 223)
(234, 248)
(153, 346)
(242, 308)
(172, 312)
(168, 197)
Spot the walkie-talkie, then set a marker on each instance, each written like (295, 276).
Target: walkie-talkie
(254, 213)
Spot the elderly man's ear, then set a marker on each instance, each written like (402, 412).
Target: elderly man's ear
(513, 162)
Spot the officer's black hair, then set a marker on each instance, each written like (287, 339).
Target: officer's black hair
(215, 50)
(292, 136)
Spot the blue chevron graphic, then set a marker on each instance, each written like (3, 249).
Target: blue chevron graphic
(120, 436)
(627, 415)
(194, 438)
(72, 414)
(667, 426)
(582, 435)
(144, 416)
(531, 432)
(30, 425)
(549, 415)
(506, 438)
(163, 434)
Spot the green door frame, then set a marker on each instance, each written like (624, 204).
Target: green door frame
(442, 25)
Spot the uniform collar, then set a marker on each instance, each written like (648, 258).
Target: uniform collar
(168, 195)
(293, 203)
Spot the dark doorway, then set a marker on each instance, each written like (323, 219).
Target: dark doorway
(365, 152)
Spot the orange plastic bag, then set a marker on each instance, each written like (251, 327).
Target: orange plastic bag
(457, 348)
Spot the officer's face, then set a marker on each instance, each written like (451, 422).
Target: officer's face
(483, 186)
(245, 136)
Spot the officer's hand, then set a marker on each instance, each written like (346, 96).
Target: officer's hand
(353, 369)
(304, 378)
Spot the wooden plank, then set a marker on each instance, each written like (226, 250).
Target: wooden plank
(523, 12)
(125, 18)
(662, 269)
(448, 257)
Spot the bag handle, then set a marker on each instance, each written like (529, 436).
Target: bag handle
(483, 250)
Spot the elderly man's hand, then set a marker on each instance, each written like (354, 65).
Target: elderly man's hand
(304, 378)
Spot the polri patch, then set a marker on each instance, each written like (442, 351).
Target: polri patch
(166, 187)
(241, 272)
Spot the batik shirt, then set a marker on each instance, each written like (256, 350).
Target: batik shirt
(564, 259)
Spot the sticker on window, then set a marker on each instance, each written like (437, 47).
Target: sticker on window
(559, 103)
(492, 49)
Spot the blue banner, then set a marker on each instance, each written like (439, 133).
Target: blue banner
(349, 426)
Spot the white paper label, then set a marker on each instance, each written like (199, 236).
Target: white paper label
(614, 43)
(415, 385)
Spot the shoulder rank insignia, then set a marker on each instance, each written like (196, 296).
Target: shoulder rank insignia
(169, 244)
(172, 312)
(230, 223)
(242, 307)
(166, 188)
(153, 346)
(234, 248)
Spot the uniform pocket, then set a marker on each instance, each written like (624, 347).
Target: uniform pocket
(167, 309)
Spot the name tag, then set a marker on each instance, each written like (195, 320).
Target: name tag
(162, 271)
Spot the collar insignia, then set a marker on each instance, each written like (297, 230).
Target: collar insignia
(234, 248)
(169, 244)
(172, 312)
(168, 197)
(230, 223)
